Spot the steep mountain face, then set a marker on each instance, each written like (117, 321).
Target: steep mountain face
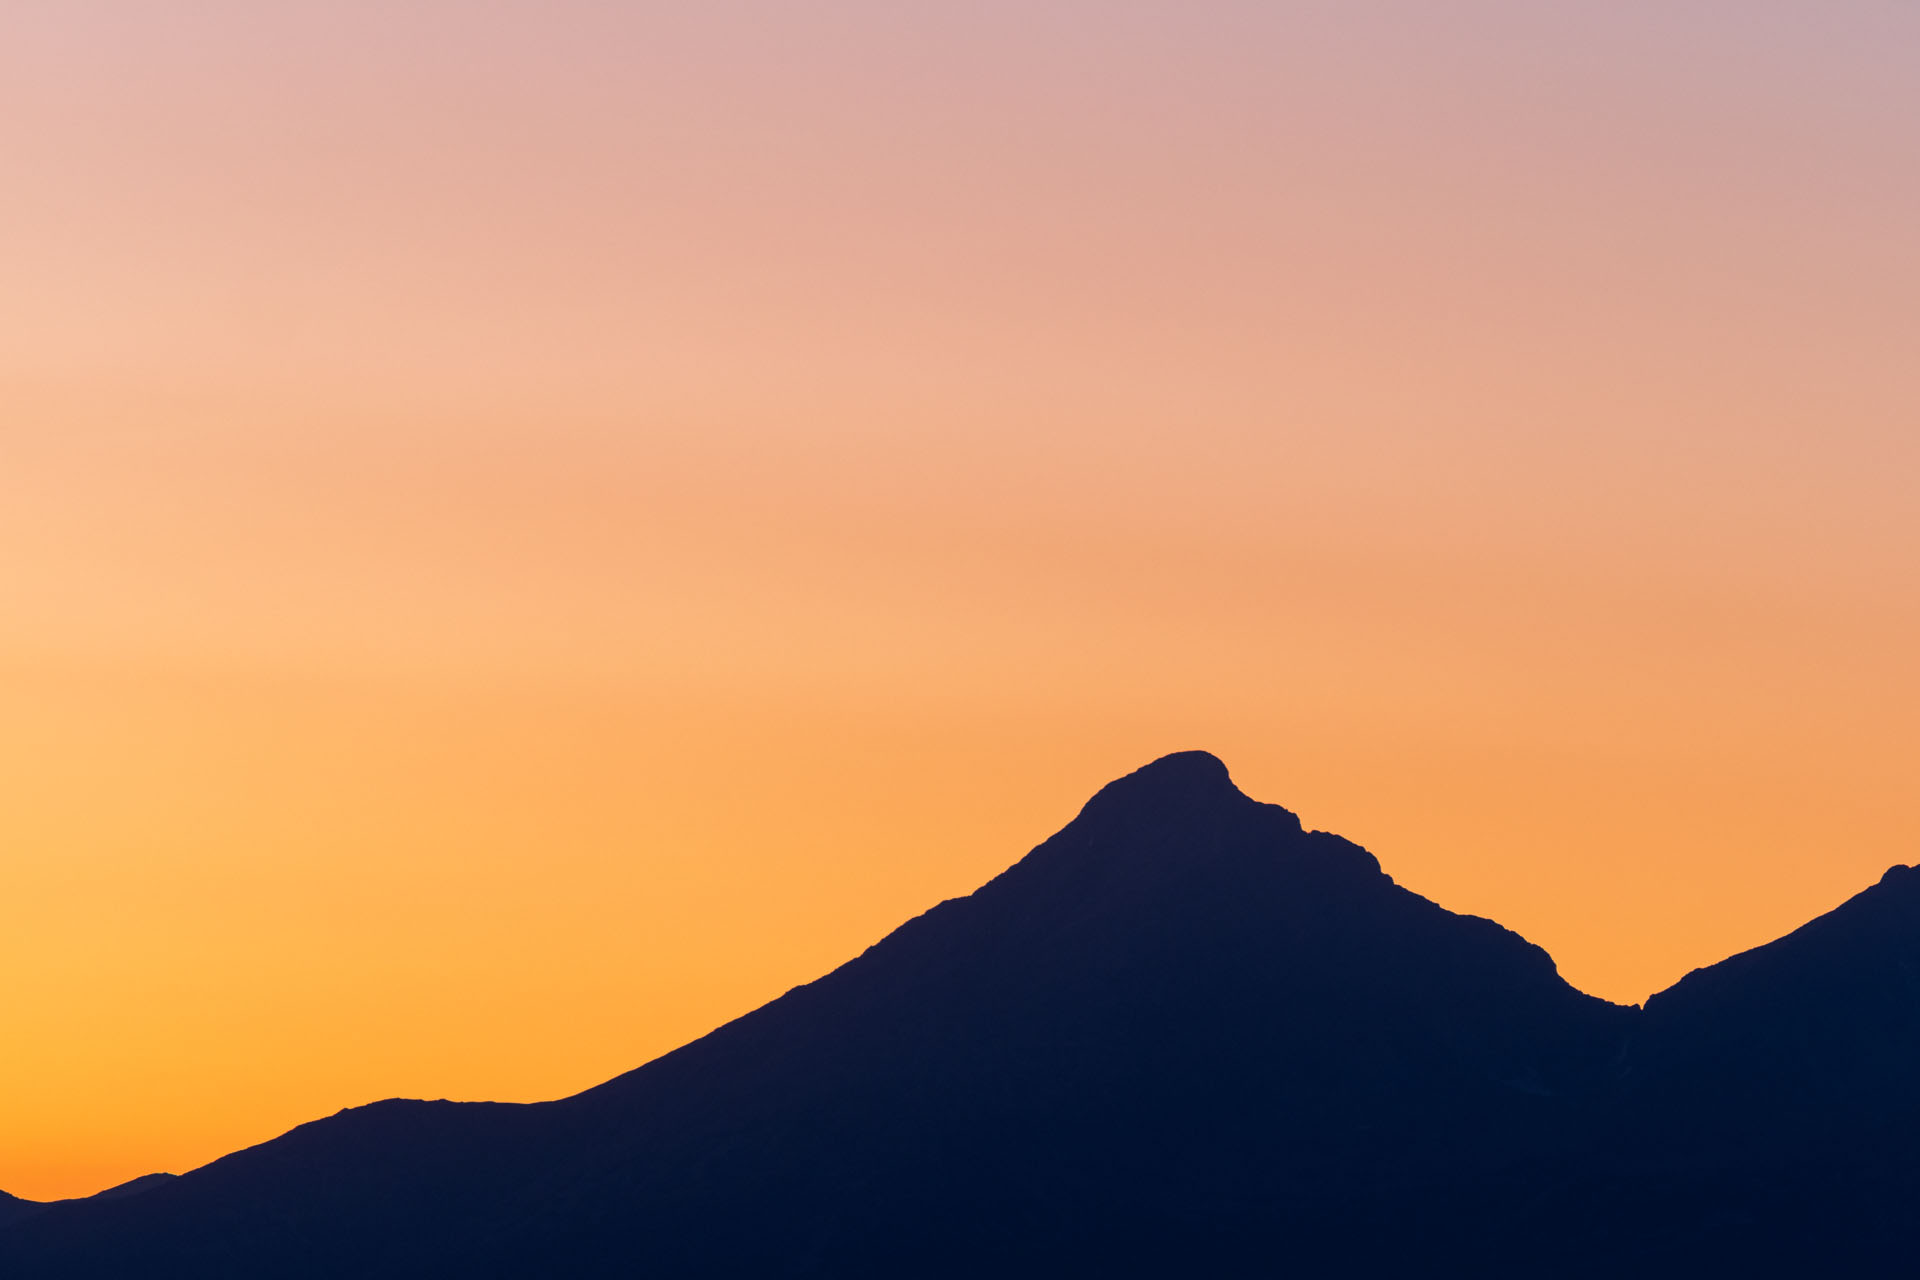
(1183, 1035)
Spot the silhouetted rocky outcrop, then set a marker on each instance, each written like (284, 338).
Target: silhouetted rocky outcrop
(1183, 1036)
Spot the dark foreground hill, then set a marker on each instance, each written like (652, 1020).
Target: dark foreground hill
(1182, 1037)
(12, 1208)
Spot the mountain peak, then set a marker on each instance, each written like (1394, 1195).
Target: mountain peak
(1194, 765)
(1182, 1036)
(1179, 783)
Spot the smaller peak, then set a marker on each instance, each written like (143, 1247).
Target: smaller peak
(1902, 875)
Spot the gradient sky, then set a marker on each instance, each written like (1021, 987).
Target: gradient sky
(526, 530)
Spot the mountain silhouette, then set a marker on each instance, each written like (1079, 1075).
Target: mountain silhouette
(1182, 1036)
(13, 1207)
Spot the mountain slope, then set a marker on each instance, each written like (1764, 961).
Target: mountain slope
(1182, 1008)
(13, 1208)
(1182, 1035)
(1767, 1117)
(1820, 1025)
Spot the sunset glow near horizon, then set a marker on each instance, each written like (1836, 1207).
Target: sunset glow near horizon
(526, 531)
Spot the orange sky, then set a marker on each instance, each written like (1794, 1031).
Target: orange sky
(526, 530)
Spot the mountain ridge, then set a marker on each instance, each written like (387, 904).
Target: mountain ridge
(1179, 1029)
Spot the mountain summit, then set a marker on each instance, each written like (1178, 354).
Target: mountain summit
(1185, 781)
(1182, 1036)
